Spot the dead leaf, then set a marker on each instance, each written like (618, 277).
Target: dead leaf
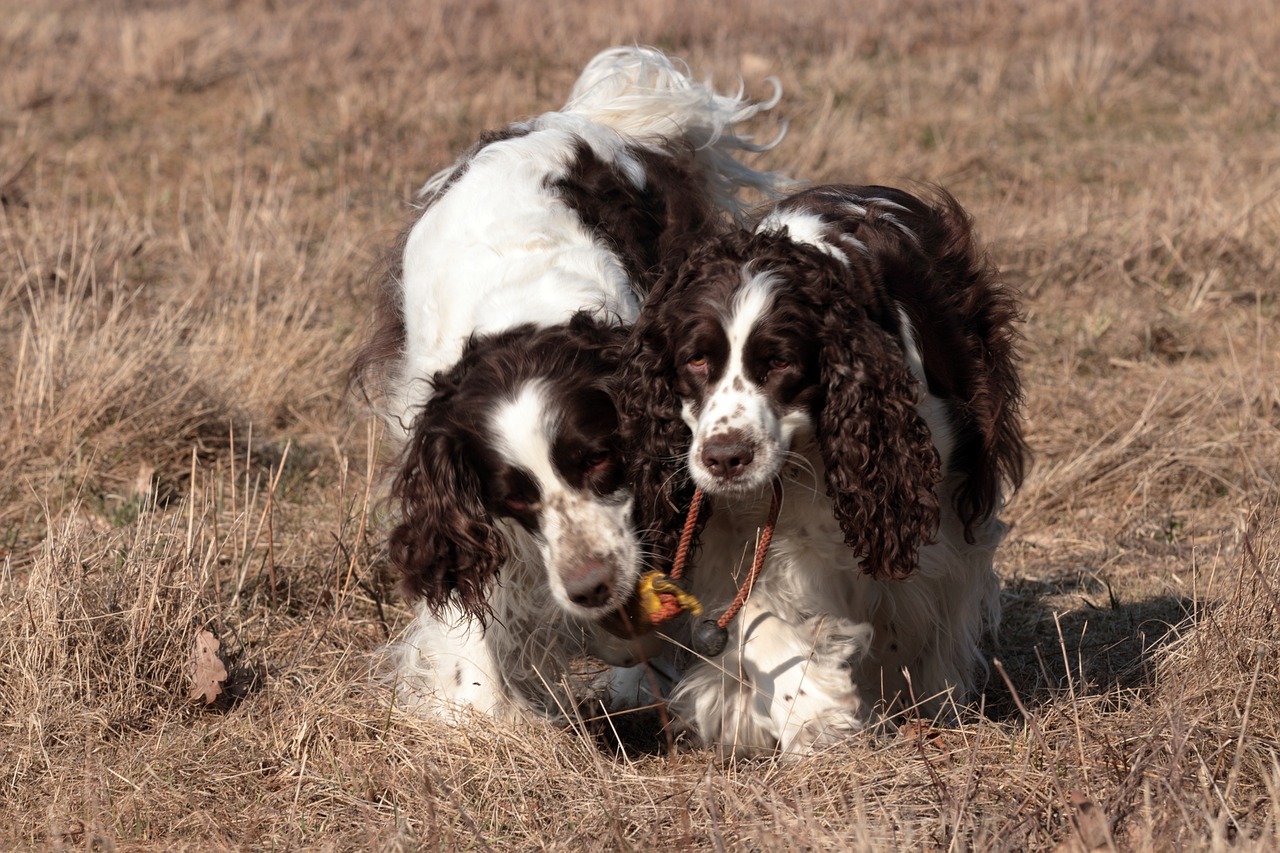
(928, 738)
(207, 669)
(925, 732)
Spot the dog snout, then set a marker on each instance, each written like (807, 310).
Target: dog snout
(727, 456)
(590, 585)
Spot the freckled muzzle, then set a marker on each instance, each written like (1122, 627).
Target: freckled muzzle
(728, 456)
(590, 584)
(592, 555)
(739, 440)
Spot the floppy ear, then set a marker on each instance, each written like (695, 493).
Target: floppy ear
(881, 466)
(446, 546)
(655, 436)
(995, 454)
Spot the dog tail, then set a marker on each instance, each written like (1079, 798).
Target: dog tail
(643, 94)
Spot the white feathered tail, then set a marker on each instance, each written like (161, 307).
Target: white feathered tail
(646, 95)
(650, 98)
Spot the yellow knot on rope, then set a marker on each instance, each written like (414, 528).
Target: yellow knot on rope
(660, 598)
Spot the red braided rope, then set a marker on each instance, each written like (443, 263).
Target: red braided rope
(766, 536)
(671, 608)
(686, 535)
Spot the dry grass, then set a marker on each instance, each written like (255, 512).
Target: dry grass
(192, 197)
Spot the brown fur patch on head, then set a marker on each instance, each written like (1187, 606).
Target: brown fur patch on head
(452, 484)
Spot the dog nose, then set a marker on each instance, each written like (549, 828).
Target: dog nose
(590, 585)
(727, 457)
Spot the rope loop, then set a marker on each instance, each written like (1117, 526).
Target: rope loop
(662, 598)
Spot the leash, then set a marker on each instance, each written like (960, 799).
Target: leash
(662, 598)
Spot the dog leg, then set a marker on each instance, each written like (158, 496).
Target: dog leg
(779, 686)
(814, 702)
(444, 667)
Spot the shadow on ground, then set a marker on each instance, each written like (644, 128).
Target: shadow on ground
(1075, 633)
(1064, 631)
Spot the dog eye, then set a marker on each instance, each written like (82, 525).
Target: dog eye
(516, 503)
(597, 461)
(779, 362)
(697, 361)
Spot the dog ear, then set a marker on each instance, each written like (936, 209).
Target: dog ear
(881, 465)
(655, 436)
(994, 454)
(446, 545)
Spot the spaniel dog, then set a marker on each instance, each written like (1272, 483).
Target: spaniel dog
(498, 347)
(859, 346)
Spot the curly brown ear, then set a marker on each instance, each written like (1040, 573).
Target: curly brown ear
(994, 453)
(446, 546)
(656, 437)
(881, 466)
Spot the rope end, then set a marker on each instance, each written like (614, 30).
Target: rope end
(660, 598)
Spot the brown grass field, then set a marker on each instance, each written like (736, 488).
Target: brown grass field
(194, 200)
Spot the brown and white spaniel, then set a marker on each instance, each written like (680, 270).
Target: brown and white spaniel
(497, 348)
(859, 346)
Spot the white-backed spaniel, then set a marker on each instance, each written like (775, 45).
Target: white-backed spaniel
(859, 346)
(499, 342)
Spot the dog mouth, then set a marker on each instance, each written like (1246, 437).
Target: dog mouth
(744, 481)
(730, 488)
(627, 622)
(734, 462)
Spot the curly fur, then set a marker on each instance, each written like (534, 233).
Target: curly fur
(857, 344)
(965, 322)
(447, 545)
